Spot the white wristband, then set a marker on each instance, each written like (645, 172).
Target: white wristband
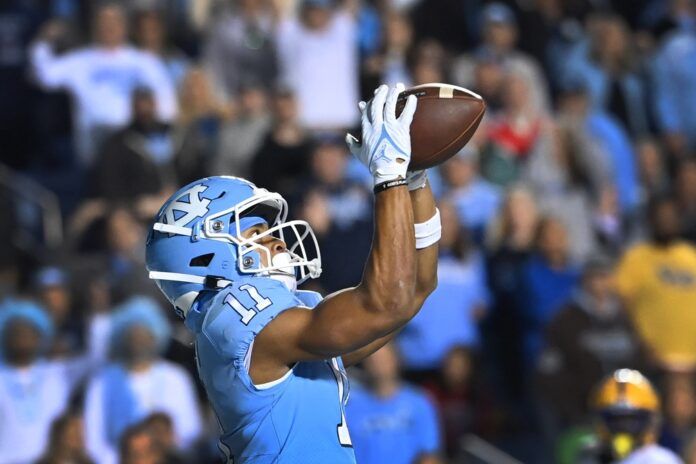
(428, 232)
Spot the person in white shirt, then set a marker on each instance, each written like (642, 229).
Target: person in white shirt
(318, 54)
(628, 420)
(33, 390)
(138, 383)
(101, 77)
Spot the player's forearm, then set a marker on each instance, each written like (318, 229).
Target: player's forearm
(389, 279)
(423, 203)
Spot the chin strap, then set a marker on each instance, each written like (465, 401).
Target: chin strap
(208, 281)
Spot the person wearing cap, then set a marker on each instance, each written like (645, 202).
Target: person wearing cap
(33, 390)
(627, 420)
(52, 286)
(587, 339)
(138, 382)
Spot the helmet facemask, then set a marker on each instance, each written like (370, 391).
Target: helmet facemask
(304, 260)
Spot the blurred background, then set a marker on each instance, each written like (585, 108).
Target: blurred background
(569, 221)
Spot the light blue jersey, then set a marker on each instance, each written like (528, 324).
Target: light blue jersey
(296, 419)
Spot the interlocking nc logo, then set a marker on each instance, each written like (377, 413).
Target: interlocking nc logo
(187, 207)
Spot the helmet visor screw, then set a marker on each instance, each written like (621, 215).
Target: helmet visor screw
(218, 226)
(247, 262)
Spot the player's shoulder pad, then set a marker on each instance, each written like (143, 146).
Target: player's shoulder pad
(241, 310)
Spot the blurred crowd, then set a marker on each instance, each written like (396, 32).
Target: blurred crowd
(569, 222)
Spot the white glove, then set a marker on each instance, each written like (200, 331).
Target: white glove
(386, 141)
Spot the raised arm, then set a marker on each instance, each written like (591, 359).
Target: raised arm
(426, 216)
(384, 300)
(49, 70)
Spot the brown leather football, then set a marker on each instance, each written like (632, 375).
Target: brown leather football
(446, 118)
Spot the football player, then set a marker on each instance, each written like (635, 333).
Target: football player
(628, 421)
(272, 358)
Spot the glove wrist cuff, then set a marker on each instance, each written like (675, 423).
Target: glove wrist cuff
(389, 184)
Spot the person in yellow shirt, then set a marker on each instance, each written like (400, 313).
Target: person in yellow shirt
(657, 279)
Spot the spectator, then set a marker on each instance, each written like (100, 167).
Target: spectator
(475, 199)
(654, 179)
(390, 63)
(138, 446)
(197, 131)
(686, 196)
(162, 430)
(588, 339)
(680, 411)
(549, 278)
(450, 315)
(607, 144)
(499, 39)
(515, 133)
(510, 242)
(136, 161)
(606, 67)
(113, 236)
(66, 443)
(674, 69)
(427, 63)
(282, 158)
(241, 137)
(340, 212)
(389, 421)
(240, 49)
(151, 35)
(563, 178)
(102, 77)
(318, 58)
(657, 279)
(488, 79)
(611, 230)
(138, 382)
(34, 391)
(462, 406)
(54, 293)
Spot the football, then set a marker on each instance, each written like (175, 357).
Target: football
(446, 118)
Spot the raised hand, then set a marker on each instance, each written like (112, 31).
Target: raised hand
(386, 140)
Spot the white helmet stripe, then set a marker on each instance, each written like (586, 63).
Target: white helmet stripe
(172, 229)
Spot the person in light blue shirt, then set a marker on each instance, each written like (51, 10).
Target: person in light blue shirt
(391, 422)
(674, 74)
(476, 200)
(450, 314)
